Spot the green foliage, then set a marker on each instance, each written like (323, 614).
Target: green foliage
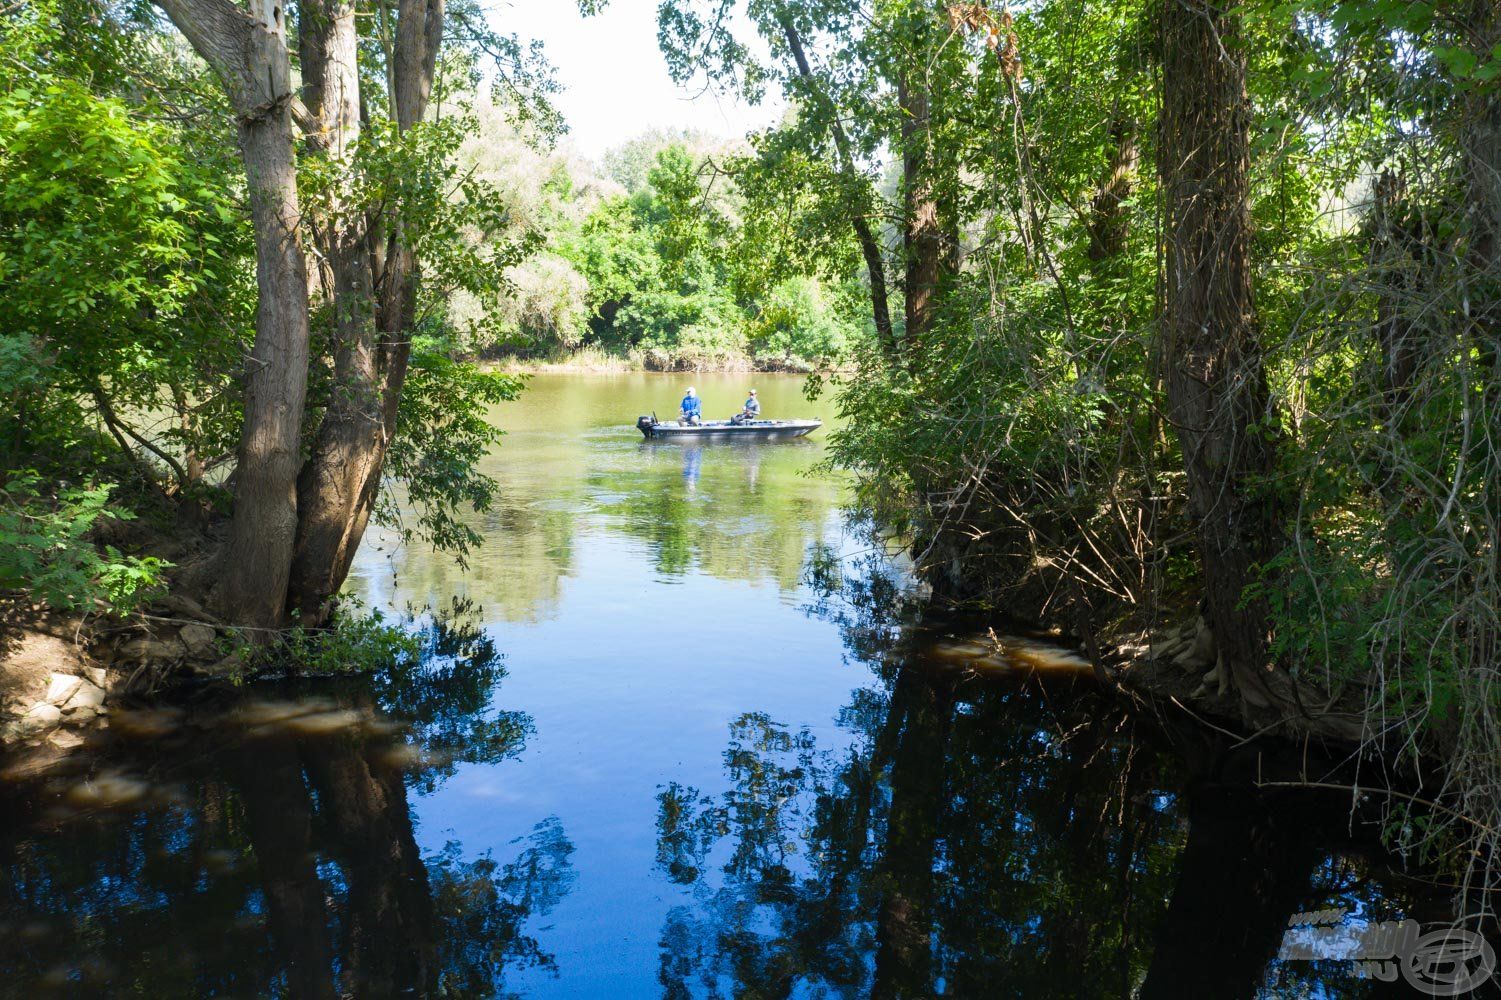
(677, 270)
(46, 552)
(125, 291)
(111, 248)
(672, 268)
(800, 317)
(445, 428)
(1025, 440)
(358, 640)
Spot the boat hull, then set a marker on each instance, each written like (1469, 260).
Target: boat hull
(719, 430)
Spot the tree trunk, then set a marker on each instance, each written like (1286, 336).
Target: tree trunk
(875, 265)
(1216, 387)
(338, 488)
(351, 437)
(1398, 258)
(1108, 220)
(922, 233)
(1482, 149)
(249, 55)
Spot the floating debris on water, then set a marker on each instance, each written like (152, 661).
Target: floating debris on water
(108, 791)
(149, 723)
(323, 723)
(1008, 654)
(275, 713)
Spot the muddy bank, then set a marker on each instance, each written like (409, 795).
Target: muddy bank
(1157, 650)
(1171, 669)
(62, 673)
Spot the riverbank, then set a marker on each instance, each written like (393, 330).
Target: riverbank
(590, 360)
(62, 673)
(1163, 657)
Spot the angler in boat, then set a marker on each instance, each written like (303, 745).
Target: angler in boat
(747, 424)
(691, 410)
(751, 411)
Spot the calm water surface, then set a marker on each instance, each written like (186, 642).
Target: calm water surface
(672, 732)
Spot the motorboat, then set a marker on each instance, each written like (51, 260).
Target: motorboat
(753, 430)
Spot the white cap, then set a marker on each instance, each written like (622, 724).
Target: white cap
(690, 390)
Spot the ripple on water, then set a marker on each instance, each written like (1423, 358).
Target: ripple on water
(607, 499)
(310, 717)
(564, 506)
(745, 526)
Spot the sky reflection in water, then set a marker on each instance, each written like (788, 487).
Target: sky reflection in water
(665, 748)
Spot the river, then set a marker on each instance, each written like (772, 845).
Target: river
(673, 731)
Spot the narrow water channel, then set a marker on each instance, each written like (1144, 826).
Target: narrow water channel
(673, 732)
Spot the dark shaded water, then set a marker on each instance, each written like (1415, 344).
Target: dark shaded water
(678, 738)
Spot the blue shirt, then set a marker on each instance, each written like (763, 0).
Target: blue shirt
(691, 406)
(753, 406)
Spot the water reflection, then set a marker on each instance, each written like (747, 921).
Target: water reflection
(991, 834)
(755, 765)
(575, 474)
(256, 845)
(693, 456)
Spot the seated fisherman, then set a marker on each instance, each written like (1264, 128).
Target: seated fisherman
(692, 410)
(752, 409)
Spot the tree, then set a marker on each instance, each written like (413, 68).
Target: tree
(336, 491)
(870, 249)
(383, 198)
(1211, 357)
(838, 118)
(248, 52)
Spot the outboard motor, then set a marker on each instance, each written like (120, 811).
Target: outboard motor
(645, 424)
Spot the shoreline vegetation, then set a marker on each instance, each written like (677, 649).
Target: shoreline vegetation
(593, 361)
(1200, 354)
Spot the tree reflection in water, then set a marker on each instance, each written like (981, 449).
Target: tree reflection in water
(990, 837)
(254, 848)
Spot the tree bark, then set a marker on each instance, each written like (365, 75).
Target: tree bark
(249, 55)
(339, 485)
(1482, 150)
(1397, 257)
(1108, 220)
(922, 232)
(1397, 251)
(351, 436)
(1216, 386)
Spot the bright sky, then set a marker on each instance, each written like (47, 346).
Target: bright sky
(615, 80)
